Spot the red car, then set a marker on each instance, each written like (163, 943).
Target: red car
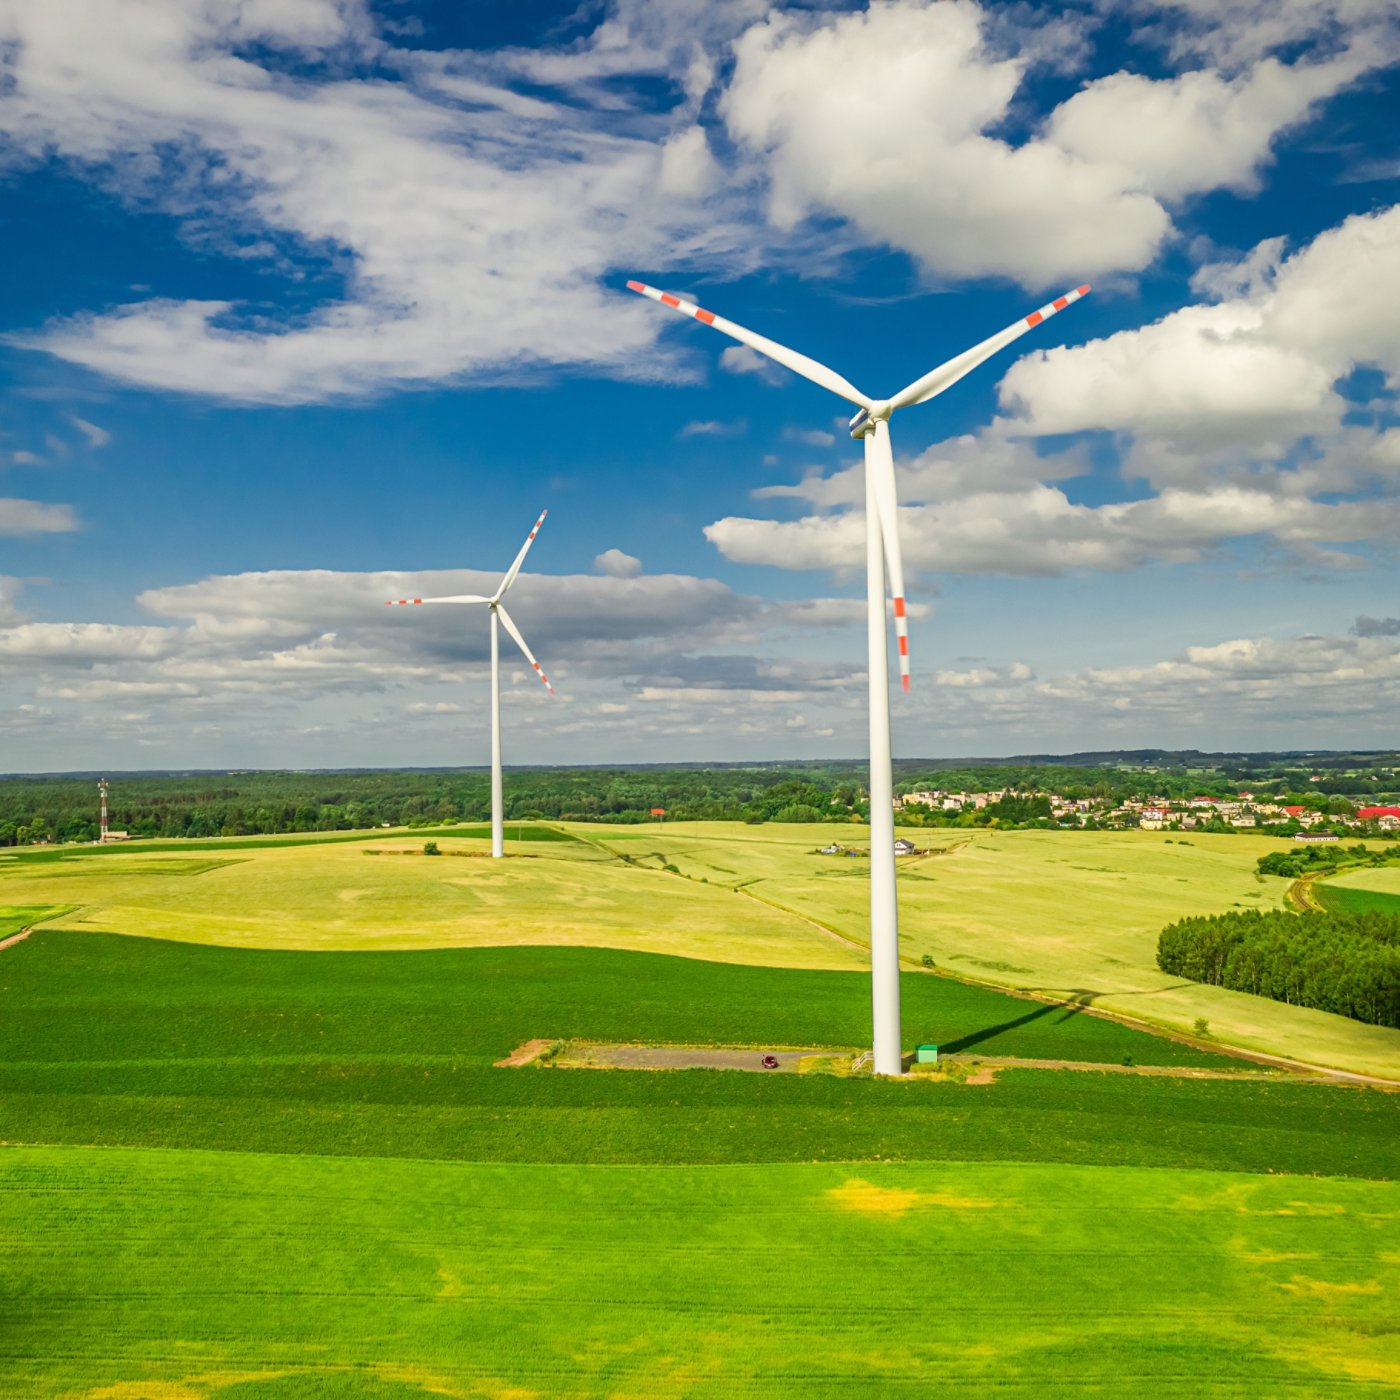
(770, 1062)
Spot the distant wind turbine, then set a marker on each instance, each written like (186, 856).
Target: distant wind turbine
(872, 424)
(501, 616)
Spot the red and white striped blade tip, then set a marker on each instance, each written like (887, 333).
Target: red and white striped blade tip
(667, 299)
(1059, 304)
(401, 602)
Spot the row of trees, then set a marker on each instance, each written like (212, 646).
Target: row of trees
(1346, 963)
(1298, 861)
(243, 804)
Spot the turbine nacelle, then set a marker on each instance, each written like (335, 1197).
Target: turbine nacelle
(864, 421)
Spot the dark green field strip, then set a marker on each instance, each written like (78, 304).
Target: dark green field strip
(76, 996)
(231, 845)
(265, 1278)
(1338, 899)
(15, 917)
(707, 1116)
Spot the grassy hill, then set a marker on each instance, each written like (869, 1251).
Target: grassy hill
(1071, 915)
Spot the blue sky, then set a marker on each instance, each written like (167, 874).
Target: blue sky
(317, 302)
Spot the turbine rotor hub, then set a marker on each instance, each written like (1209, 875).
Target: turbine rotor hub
(863, 424)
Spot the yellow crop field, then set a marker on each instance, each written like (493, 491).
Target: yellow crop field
(1385, 880)
(385, 893)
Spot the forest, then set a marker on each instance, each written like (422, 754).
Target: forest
(1345, 963)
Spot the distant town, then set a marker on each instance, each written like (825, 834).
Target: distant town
(1321, 818)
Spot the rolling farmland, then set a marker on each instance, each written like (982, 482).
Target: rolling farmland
(258, 1148)
(1072, 916)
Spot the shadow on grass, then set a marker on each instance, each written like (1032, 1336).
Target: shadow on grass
(1074, 1001)
(966, 1042)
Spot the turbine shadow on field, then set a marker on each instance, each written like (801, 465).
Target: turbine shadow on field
(966, 1042)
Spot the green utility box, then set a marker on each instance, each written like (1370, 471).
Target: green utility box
(926, 1055)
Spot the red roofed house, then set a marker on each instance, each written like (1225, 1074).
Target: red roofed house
(1387, 818)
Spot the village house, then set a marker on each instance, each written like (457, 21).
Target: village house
(925, 797)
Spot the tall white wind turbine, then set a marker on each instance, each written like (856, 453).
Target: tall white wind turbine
(499, 618)
(872, 423)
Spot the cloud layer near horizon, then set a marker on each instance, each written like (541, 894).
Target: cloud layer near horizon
(637, 660)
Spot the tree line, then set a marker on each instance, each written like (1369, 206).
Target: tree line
(269, 803)
(64, 808)
(1345, 963)
(1298, 861)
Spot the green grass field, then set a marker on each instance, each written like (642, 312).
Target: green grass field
(1362, 892)
(135, 1042)
(146, 1275)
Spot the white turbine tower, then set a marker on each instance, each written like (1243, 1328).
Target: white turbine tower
(883, 556)
(501, 616)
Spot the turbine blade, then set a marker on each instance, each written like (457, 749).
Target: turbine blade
(789, 359)
(454, 598)
(879, 462)
(520, 642)
(948, 373)
(520, 558)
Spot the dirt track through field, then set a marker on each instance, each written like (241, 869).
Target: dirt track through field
(15, 938)
(982, 1069)
(1300, 893)
(524, 1054)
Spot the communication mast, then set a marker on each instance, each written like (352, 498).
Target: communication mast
(102, 794)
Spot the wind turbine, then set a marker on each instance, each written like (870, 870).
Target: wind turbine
(872, 423)
(499, 618)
